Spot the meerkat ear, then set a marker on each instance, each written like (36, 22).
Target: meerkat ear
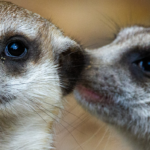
(69, 56)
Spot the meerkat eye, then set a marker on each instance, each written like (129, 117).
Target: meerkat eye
(144, 64)
(16, 49)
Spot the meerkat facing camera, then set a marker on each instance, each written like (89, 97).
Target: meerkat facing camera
(37, 67)
(116, 85)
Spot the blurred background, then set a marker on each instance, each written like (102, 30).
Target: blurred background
(93, 23)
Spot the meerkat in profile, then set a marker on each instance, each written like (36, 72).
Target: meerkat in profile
(37, 67)
(116, 85)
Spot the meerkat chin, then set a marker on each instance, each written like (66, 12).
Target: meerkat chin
(116, 85)
(38, 66)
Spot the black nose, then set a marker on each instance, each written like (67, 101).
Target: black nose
(71, 62)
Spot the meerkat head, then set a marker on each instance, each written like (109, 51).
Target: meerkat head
(38, 63)
(116, 85)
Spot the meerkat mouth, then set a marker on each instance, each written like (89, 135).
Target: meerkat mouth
(91, 96)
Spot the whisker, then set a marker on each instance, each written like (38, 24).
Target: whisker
(61, 125)
(112, 21)
(77, 117)
(89, 138)
(107, 141)
(51, 116)
(101, 139)
(38, 114)
(100, 42)
(63, 110)
(75, 128)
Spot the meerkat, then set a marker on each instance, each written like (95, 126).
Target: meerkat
(115, 86)
(39, 65)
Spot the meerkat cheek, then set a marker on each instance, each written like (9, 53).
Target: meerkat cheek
(89, 95)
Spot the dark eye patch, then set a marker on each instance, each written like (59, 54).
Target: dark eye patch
(16, 51)
(130, 62)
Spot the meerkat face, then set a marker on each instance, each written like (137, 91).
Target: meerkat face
(38, 63)
(116, 85)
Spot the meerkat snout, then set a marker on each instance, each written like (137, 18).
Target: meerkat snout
(116, 86)
(38, 66)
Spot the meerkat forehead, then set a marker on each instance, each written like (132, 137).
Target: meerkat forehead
(129, 39)
(15, 19)
(134, 33)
